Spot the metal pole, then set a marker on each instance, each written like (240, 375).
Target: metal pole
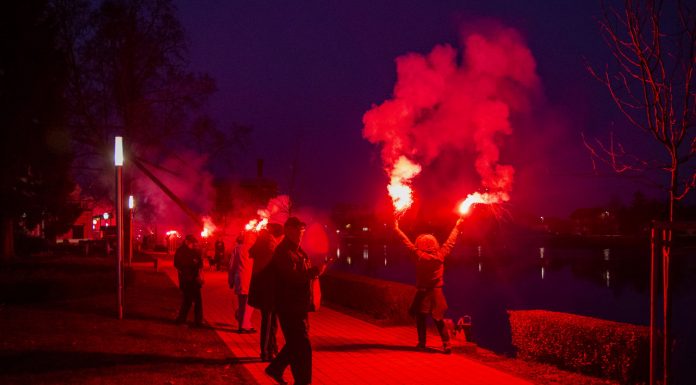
(653, 315)
(130, 237)
(119, 222)
(118, 162)
(666, 250)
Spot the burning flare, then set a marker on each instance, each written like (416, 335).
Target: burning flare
(208, 227)
(258, 224)
(400, 184)
(485, 198)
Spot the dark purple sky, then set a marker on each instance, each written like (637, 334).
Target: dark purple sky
(303, 73)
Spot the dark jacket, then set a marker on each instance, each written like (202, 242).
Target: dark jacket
(262, 287)
(293, 274)
(188, 262)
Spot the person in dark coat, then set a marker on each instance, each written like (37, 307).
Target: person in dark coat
(219, 254)
(293, 276)
(189, 262)
(261, 289)
(429, 257)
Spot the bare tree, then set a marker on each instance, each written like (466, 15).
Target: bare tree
(130, 77)
(652, 83)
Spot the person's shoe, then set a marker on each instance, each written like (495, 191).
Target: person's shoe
(246, 331)
(275, 376)
(447, 348)
(420, 346)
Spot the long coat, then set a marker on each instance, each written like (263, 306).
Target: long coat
(262, 286)
(188, 263)
(240, 269)
(293, 273)
(429, 298)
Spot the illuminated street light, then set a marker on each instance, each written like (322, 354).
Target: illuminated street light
(118, 151)
(118, 162)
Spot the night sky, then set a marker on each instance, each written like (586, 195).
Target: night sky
(303, 74)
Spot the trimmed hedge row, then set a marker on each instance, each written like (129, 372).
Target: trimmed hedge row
(588, 345)
(385, 301)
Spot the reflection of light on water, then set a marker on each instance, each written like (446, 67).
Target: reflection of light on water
(338, 252)
(385, 261)
(541, 252)
(607, 276)
(350, 261)
(365, 252)
(385, 251)
(606, 254)
(479, 248)
(542, 272)
(480, 267)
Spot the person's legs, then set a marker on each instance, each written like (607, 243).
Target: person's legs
(198, 306)
(444, 334)
(246, 320)
(186, 301)
(273, 335)
(241, 309)
(420, 327)
(282, 359)
(269, 325)
(244, 313)
(297, 349)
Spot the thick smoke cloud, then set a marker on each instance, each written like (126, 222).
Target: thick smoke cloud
(458, 101)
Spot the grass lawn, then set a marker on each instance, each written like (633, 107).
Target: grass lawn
(58, 324)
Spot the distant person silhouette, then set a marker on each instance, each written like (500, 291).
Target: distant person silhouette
(189, 262)
(219, 254)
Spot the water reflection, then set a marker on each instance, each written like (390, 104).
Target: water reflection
(606, 282)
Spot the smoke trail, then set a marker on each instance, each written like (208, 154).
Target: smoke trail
(440, 102)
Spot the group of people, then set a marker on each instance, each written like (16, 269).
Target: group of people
(269, 271)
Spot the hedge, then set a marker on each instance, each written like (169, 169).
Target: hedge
(384, 301)
(588, 345)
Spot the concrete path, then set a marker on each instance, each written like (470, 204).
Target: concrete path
(347, 350)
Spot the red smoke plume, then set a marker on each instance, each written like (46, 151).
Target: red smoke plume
(440, 102)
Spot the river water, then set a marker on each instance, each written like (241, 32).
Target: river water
(599, 281)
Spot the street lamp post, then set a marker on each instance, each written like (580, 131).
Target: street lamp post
(118, 162)
(131, 209)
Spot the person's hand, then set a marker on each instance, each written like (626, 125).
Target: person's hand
(322, 269)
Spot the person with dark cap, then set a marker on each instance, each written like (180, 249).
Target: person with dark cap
(261, 289)
(293, 277)
(429, 257)
(189, 262)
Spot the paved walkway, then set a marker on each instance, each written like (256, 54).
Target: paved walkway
(347, 350)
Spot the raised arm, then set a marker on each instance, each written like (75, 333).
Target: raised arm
(446, 247)
(404, 239)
